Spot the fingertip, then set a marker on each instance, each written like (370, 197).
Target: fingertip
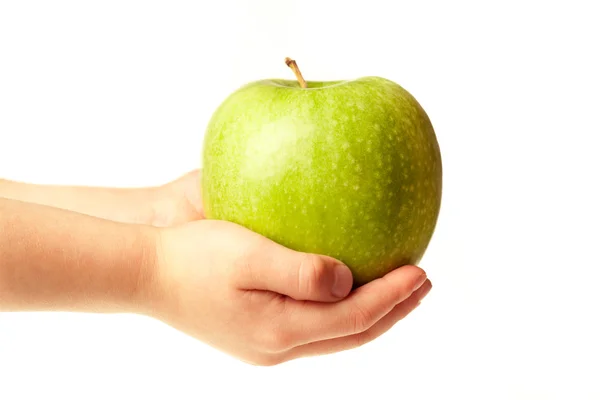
(419, 281)
(423, 290)
(412, 268)
(405, 280)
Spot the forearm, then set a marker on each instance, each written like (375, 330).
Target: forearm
(53, 259)
(124, 205)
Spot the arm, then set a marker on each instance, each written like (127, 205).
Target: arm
(57, 260)
(173, 203)
(219, 282)
(124, 205)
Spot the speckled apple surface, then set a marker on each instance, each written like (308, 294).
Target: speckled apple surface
(350, 169)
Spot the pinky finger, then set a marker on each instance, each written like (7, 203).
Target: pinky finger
(343, 343)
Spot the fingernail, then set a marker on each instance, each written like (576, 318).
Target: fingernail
(420, 281)
(342, 281)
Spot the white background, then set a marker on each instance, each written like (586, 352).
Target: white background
(118, 93)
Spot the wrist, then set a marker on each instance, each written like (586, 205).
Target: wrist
(144, 293)
(164, 276)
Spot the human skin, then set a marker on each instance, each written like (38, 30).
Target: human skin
(149, 251)
(349, 168)
(173, 203)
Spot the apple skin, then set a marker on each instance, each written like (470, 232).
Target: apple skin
(349, 169)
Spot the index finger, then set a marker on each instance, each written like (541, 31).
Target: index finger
(307, 322)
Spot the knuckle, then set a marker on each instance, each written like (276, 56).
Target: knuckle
(274, 340)
(281, 341)
(361, 318)
(311, 272)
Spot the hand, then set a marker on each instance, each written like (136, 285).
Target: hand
(265, 304)
(176, 202)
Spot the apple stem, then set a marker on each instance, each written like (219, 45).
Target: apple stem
(292, 64)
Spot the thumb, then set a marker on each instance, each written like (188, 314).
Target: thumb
(301, 276)
(192, 189)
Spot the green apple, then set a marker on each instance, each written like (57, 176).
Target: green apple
(350, 169)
